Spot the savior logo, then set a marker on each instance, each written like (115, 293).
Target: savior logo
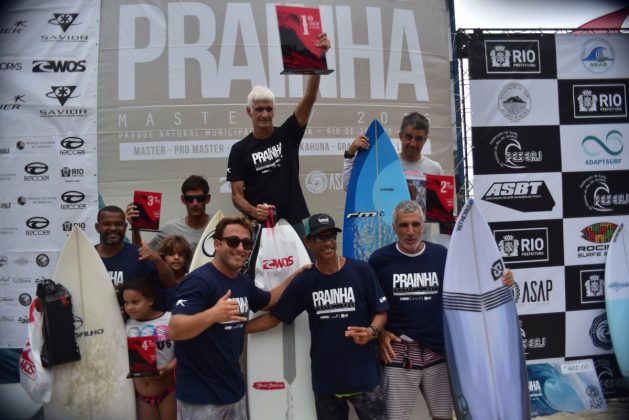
(64, 20)
(524, 196)
(62, 93)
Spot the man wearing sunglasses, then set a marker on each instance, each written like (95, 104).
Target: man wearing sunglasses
(195, 195)
(208, 325)
(263, 168)
(346, 309)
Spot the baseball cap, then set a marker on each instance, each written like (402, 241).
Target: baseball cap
(317, 223)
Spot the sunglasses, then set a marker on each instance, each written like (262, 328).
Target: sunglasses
(190, 198)
(323, 238)
(234, 241)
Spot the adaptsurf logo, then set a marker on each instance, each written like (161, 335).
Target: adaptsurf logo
(603, 151)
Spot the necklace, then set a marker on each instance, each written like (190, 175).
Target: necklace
(338, 266)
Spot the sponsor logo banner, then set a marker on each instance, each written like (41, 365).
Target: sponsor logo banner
(586, 239)
(585, 287)
(514, 102)
(507, 150)
(587, 333)
(543, 335)
(594, 147)
(595, 194)
(593, 101)
(592, 56)
(533, 243)
(496, 56)
(539, 290)
(528, 196)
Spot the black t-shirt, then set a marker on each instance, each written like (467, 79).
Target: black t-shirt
(270, 170)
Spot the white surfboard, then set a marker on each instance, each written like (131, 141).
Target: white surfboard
(95, 387)
(481, 327)
(204, 251)
(617, 297)
(279, 384)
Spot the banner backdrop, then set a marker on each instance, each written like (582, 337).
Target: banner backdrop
(167, 82)
(549, 136)
(48, 177)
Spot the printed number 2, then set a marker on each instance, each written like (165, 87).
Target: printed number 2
(444, 185)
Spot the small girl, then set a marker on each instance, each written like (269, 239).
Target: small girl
(155, 394)
(176, 252)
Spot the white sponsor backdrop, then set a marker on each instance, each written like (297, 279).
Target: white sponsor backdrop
(577, 83)
(158, 89)
(48, 180)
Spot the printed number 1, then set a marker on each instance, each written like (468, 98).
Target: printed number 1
(304, 23)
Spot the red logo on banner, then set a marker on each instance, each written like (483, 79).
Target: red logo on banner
(268, 385)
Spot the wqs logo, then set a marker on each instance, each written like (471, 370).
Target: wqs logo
(603, 152)
(597, 55)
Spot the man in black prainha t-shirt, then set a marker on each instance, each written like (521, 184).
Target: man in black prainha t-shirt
(263, 167)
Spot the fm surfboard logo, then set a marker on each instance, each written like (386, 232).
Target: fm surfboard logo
(497, 268)
(524, 196)
(207, 246)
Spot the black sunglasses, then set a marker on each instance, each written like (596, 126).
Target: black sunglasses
(234, 241)
(190, 198)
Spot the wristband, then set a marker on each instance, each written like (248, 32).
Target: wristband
(348, 155)
(375, 332)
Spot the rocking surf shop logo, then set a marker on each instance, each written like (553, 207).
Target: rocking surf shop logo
(597, 55)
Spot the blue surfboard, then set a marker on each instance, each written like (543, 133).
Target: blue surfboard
(481, 328)
(376, 185)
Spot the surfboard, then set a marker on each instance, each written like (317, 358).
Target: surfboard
(279, 380)
(482, 334)
(617, 297)
(95, 387)
(376, 186)
(204, 252)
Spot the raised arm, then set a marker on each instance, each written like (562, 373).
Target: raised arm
(304, 106)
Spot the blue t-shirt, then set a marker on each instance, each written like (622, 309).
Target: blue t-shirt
(208, 368)
(349, 297)
(413, 286)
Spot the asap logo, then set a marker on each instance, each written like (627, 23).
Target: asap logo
(276, 263)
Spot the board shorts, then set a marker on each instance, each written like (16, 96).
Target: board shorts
(416, 367)
(368, 405)
(235, 411)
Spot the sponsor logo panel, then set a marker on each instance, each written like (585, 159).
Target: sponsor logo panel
(522, 196)
(516, 149)
(539, 290)
(514, 103)
(12, 102)
(501, 57)
(531, 243)
(593, 102)
(592, 56)
(595, 194)
(587, 333)
(585, 287)
(543, 335)
(586, 240)
(595, 147)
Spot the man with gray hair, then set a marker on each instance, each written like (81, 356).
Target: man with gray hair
(263, 168)
(411, 345)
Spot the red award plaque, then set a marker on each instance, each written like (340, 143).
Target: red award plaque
(440, 198)
(300, 28)
(149, 205)
(142, 356)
